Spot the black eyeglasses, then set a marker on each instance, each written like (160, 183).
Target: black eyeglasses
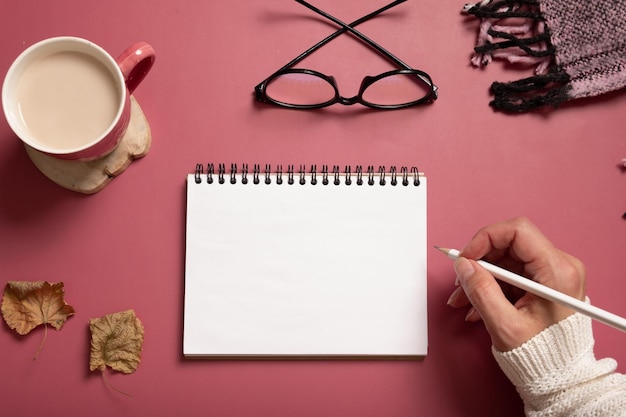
(298, 88)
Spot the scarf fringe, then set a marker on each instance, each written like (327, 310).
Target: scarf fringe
(515, 31)
(531, 93)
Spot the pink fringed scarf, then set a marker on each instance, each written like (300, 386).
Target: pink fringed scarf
(578, 48)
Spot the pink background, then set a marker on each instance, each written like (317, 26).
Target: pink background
(124, 247)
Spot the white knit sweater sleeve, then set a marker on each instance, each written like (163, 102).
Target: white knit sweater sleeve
(556, 373)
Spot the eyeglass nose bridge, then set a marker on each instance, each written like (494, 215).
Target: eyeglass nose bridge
(348, 101)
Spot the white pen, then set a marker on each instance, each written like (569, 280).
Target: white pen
(548, 293)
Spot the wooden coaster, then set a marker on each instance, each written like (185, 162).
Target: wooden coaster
(89, 177)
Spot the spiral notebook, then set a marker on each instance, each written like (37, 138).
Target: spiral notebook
(305, 263)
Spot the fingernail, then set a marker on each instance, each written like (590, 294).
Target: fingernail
(463, 269)
(452, 298)
(454, 295)
(470, 313)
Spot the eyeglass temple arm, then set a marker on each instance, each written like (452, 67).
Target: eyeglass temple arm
(423, 76)
(332, 36)
(355, 32)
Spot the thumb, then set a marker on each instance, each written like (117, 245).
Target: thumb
(486, 296)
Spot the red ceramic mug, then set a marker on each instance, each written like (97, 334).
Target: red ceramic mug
(68, 98)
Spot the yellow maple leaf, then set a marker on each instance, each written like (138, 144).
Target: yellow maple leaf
(116, 341)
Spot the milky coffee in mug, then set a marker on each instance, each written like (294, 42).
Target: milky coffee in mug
(69, 98)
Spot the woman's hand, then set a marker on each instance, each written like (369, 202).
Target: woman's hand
(510, 315)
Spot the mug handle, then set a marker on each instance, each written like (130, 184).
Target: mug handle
(135, 62)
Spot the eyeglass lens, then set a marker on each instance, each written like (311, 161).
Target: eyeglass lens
(396, 89)
(300, 89)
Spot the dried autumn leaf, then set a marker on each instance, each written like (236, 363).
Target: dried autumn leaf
(28, 304)
(116, 341)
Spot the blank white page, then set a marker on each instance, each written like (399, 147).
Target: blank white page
(305, 270)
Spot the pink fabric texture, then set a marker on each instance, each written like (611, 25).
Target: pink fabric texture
(578, 48)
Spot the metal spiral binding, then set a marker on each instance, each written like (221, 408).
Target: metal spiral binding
(199, 171)
(325, 174)
(220, 173)
(333, 175)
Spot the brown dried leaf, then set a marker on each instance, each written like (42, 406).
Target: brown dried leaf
(28, 304)
(116, 341)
